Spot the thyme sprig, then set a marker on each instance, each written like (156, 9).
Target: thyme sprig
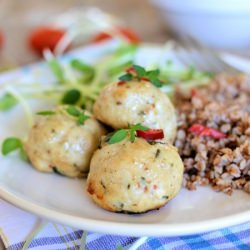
(139, 73)
(121, 134)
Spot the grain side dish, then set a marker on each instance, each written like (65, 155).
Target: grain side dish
(213, 136)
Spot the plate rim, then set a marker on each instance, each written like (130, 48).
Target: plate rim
(124, 229)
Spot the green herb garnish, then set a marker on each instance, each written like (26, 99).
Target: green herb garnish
(12, 144)
(74, 111)
(7, 102)
(121, 134)
(118, 136)
(82, 118)
(71, 96)
(57, 69)
(140, 71)
(46, 112)
(137, 72)
(126, 77)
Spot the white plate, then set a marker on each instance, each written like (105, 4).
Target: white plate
(64, 200)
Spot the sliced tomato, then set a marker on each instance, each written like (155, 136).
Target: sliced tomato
(45, 38)
(128, 34)
(151, 134)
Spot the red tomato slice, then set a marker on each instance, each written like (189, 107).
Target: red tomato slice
(151, 134)
(45, 38)
(128, 34)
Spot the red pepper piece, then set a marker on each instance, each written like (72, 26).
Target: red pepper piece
(120, 83)
(128, 34)
(45, 38)
(151, 134)
(206, 131)
(131, 70)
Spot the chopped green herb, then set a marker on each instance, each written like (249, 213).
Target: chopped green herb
(73, 111)
(82, 118)
(138, 126)
(151, 74)
(72, 96)
(118, 136)
(140, 71)
(126, 77)
(156, 82)
(46, 112)
(7, 102)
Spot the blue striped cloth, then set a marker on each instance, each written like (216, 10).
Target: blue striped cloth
(236, 237)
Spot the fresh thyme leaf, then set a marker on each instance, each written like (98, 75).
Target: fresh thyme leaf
(82, 118)
(72, 96)
(118, 136)
(46, 112)
(151, 74)
(156, 82)
(140, 71)
(73, 111)
(56, 68)
(7, 102)
(126, 77)
(138, 126)
(11, 144)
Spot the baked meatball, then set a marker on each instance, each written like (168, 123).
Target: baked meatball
(134, 177)
(58, 143)
(122, 104)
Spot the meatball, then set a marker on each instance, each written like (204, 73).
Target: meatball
(58, 143)
(122, 104)
(134, 177)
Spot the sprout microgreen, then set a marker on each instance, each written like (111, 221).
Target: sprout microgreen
(7, 102)
(57, 70)
(71, 96)
(81, 66)
(46, 112)
(72, 110)
(12, 144)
